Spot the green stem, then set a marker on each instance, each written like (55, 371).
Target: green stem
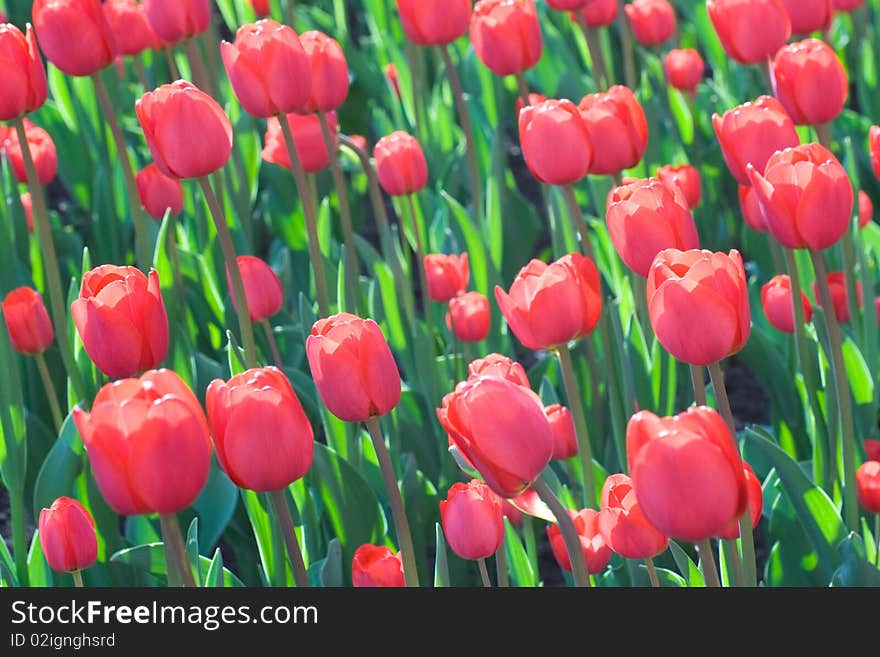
(173, 72)
(626, 40)
(197, 69)
(484, 574)
(282, 512)
(823, 132)
(523, 87)
(19, 537)
(420, 251)
(600, 73)
(273, 344)
(569, 533)
(699, 384)
(731, 552)
(501, 565)
(244, 318)
(707, 564)
(138, 66)
(77, 578)
(652, 573)
(578, 222)
(576, 405)
(57, 416)
(175, 552)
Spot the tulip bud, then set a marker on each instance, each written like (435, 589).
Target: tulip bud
(872, 449)
(686, 472)
(699, 288)
(469, 316)
(42, 152)
(684, 177)
(777, 304)
(868, 485)
(262, 288)
(617, 127)
(128, 23)
(22, 68)
(473, 520)
(599, 13)
(56, 21)
(400, 164)
(808, 16)
(751, 31)
(67, 536)
(506, 35)
(798, 71)
(176, 20)
(623, 524)
(308, 139)
(27, 321)
(562, 427)
(806, 197)
(121, 320)
(572, 282)
(751, 133)
(751, 208)
(684, 69)
(434, 22)
(159, 193)
(555, 142)
(28, 205)
(500, 366)
(597, 554)
(839, 295)
(268, 69)
(866, 209)
(329, 71)
(375, 566)
(148, 443)
(646, 217)
(263, 438)
(756, 502)
(652, 21)
(447, 275)
(261, 7)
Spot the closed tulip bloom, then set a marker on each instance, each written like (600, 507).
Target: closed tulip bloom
(652, 21)
(751, 133)
(434, 22)
(500, 427)
(176, 20)
(42, 150)
(148, 443)
(868, 485)
(618, 129)
(67, 536)
(623, 524)
(308, 139)
(866, 209)
(646, 217)
(751, 208)
(839, 295)
(805, 196)
(353, 368)
(158, 193)
(776, 301)
(562, 426)
(447, 275)
(268, 69)
(808, 16)
(572, 282)
(329, 71)
(400, 164)
(473, 520)
(686, 472)
(129, 25)
(469, 316)
(874, 140)
(262, 288)
(599, 13)
(872, 449)
(57, 20)
(597, 554)
(500, 366)
(28, 205)
(188, 133)
(756, 502)
(506, 35)
(121, 319)
(809, 81)
(261, 7)
(28, 323)
(555, 142)
(751, 31)
(686, 178)
(376, 567)
(684, 69)
(24, 78)
(848, 5)
(261, 433)
(699, 288)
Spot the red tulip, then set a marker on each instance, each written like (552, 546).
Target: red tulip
(555, 142)
(866, 209)
(684, 69)
(809, 81)
(27, 321)
(159, 193)
(506, 35)
(28, 205)
(56, 21)
(572, 282)
(623, 524)
(393, 78)
(646, 217)
(750, 30)
(308, 139)
(188, 133)
(562, 427)
(329, 71)
(447, 275)
(597, 554)
(375, 566)
(176, 20)
(360, 141)
(618, 129)
(839, 296)
(751, 208)
(756, 502)
(121, 319)
(67, 536)
(473, 520)
(268, 69)
(868, 485)
(261, 7)
(806, 197)
(42, 151)
(148, 443)
(699, 288)
(24, 78)
(751, 133)
(848, 5)
(261, 433)
(686, 178)
(652, 21)
(874, 140)
(434, 22)
(808, 16)
(400, 164)
(500, 366)
(353, 368)
(872, 449)
(129, 25)
(500, 427)
(469, 316)
(262, 288)
(567, 5)
(599, 13)
(776, 301)
(686, 472)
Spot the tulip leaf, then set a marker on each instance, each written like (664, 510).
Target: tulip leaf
(687, 566)
(7, 566)
(521, 571)
(215, 506)
(261, 524)
(60, 468)
(150, 558)
(666, 577)
(855, 569)
(330, 574)
(192, 549)
(441, 566)
(858, 373)
(214, 576)
(39, 573)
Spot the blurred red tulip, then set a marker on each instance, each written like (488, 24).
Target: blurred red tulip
(617, 127)
(434, 22)
(28, 205)
(506, 35)
(623, 524)
(874, 140)
(597, 554)
(447, 275)
(562, 427)
(686, 178)
(848, 5)
(652, 21)
(868, 485)
(808, 16)
(866, 209)
(129, 25)
(360, 141)
(176, 20)
(567, 5)
(809, 81)
(599, 13)
(375, 566)
(24, 78)
(262, 288)
(56, 21)
(555, 142)
(393, 78)
(469, 316)
(42, 151)
(308, 139)
(756, 503)
(67, 536)
(872, 449)
(159, 193)
(500, 366)
(777, 304)
(473, 520)
(684, 69)
(27, 320)
(329, 71)
(839, 295)
(751, 31)
(400, 164)
(751, 208)
(261, 8)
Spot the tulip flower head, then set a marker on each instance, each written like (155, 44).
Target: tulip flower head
(617, 127)
(866, 209)
(27, 320)
(684, 69)
(434, 22)
(374, 567)
(473, 520)
(56, 20)
(839, 295)
(129, 25)
(652, 21)
(598, 13)
(262, 288)
(447, 275)
(555, 142)
(308, 139)
(469, 317)
(750, 30)
(176, 20)
(750, 208)
(623, 524)
(808, 16)
(809, 81)
(400, 164)
(329, 72)
(777, 304)
(67, 536)
(500, 366)
(597, 554)
(868, 485)
(872, 449)
(158, 193)
(564, 435)
(42, 150)
(25, 88)
(874, 148)
(686, 178)
(506, 35)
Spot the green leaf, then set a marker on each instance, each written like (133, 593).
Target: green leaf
(521, 572)
(39, 573)
(150, 558)
(855, 570)
(686, 565)
(192, 549)
(667, 578)
(441, 566)
(331, 570)
(858, 373)
(61, 467)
